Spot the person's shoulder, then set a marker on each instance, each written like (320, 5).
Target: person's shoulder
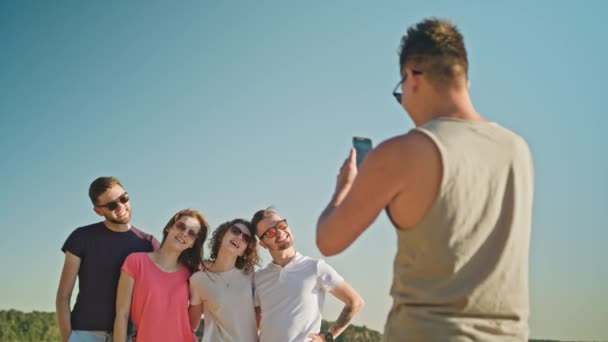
(143, 235)
(266, 271)
(244, 274)
(408, 142)
(140, 233)
(197, 277)
(137, 256)
(305, 259)
(323, 265)
(262, 271)
(88, 229)
(517, 139)
(402, 152)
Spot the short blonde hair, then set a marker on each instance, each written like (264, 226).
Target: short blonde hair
(435, 47)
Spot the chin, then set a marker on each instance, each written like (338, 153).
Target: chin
(123, 221)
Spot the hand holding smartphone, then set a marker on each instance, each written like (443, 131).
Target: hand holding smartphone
(363, 146)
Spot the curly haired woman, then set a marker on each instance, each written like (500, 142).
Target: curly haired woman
(223, 290)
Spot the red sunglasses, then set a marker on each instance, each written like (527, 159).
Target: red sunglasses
(272, 231)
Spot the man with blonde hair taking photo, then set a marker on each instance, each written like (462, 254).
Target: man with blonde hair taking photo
(458, 188)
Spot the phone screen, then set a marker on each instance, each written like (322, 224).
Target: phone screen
(363, 146)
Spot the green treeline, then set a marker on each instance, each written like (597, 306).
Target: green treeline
(17, 326)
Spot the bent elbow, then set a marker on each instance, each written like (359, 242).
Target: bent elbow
(359, 304)
(326, 248)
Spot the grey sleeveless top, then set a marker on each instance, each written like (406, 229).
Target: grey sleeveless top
(461, 274)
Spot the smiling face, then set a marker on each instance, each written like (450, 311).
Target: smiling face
(122, 212)
(281, 240)
(236, 239)
(183, 232)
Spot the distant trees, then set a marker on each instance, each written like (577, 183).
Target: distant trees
(31, 326)
(40, 326)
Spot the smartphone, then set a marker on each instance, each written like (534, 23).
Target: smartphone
(363, 146)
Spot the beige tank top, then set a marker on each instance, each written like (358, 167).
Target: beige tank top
(462, 273)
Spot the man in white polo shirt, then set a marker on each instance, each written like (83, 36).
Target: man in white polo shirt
(290, 291)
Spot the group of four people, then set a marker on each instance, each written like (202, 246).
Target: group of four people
(458, 188)
(132, 287)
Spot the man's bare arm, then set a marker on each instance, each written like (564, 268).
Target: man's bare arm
(353, 303)
(359, 198)
(69, 273)
(405, 171)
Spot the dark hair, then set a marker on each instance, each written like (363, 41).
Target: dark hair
(436, 47)
(250, 257)
(191, 258)
(100, 185)
(259, 216)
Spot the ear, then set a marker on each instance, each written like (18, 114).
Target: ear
(263, 244)
(98, 211)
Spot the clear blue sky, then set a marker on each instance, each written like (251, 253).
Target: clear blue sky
(230, 106)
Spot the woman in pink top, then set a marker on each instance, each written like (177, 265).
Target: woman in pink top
(153, 287)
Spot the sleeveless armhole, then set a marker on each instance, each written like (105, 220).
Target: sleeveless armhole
(442, 183)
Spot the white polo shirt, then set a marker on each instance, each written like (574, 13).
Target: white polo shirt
(291, 298)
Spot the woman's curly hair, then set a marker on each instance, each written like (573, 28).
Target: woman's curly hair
(250, 257)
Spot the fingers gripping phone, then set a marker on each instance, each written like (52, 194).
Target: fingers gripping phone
(363, 146)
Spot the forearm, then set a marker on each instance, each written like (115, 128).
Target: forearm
(195, 313)
(331, 240)
(346, 317)
(62, 308)
(120, 328)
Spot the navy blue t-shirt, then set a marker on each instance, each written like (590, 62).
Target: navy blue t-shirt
(102, 253)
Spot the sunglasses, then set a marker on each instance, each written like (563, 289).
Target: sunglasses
(237, 231)
(112, 205)
(272, 231)
(181, 226)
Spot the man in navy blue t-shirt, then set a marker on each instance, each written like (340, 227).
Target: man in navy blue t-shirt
(95, 254)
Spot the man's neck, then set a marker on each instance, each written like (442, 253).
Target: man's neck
(451, 104)
(283, 257)
(117, 227)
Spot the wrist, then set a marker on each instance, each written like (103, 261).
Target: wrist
(328, 336)
(339, 195)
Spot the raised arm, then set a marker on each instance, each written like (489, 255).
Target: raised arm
(123, 306)
(405, 171)
(358, 199)
(71, 265)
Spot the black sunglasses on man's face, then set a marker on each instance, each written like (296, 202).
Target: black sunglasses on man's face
(113, 205)
(397, 91)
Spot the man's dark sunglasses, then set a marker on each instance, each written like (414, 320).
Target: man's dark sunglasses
(112, 205)
(272, 231)
(397, 92)
(237, 231)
